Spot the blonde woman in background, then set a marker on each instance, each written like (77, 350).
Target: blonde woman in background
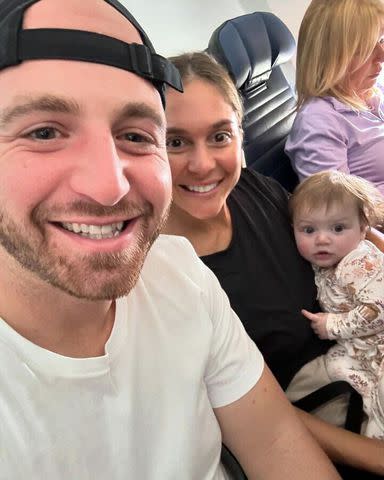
(340, 119)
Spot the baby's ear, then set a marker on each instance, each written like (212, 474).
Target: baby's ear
(364, 229)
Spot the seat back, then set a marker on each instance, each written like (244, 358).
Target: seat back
(253, 49)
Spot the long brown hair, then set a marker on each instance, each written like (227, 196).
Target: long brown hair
(201, 65)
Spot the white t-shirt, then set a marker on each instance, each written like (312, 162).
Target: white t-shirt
(143, 411)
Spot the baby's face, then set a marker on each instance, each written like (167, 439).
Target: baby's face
(325, 236)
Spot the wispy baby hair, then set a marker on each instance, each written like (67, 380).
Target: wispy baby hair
(330, 187)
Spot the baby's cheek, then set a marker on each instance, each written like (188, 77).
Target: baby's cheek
(304, 248)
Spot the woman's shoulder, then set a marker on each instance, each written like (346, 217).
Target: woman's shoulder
(323, 106)
(253, 188)
(250, 179)
(316, 116)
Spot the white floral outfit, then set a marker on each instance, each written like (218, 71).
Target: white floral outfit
(353, 294)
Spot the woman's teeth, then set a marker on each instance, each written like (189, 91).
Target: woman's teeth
(201, 188)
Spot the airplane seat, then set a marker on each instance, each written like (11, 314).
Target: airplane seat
(254, 48)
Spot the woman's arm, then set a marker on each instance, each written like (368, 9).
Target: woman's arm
(268, 439)
(346, 447)
(376, 237)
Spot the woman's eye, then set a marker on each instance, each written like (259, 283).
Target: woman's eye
(44, 133)
(174, 143)
(222, 137)
(338, 228)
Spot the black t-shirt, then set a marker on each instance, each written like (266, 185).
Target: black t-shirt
(266, 279)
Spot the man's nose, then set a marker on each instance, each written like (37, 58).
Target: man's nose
(99, 173)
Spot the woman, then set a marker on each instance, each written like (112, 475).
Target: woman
(340, 119)
(239, 225)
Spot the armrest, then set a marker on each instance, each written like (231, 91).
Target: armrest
(328, 392)
(231, 465)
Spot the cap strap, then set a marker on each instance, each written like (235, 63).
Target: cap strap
(65, 44)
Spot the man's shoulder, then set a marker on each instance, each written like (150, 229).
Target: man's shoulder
(173, 257)
(171, 247)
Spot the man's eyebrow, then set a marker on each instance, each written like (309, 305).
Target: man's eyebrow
(140, 110)
(46, 103)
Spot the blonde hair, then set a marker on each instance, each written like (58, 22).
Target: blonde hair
(333, 34)
(331, 187)
(203, 66)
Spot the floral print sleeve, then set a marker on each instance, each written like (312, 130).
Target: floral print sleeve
(361, 276)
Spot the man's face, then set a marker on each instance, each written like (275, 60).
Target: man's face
(85, 182)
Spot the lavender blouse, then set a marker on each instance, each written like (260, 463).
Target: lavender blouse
(328, 134)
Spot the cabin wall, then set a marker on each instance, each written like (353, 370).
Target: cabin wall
(175, 26)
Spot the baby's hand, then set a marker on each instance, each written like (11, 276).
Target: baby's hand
(318, 323)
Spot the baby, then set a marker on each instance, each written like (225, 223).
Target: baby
(331, 213)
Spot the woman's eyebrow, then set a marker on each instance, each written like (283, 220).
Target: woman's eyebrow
(214, 126)
(176, 131)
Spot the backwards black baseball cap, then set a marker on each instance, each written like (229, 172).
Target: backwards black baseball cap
(17, 45)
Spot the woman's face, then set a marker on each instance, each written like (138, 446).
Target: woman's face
(365, 77)
(204, 143)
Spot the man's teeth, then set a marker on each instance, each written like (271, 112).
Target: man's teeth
(201, 188)
(96, 232)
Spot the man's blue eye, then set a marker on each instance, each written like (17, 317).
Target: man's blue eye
(45, 133)
(135, 137)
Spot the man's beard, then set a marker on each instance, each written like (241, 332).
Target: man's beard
(95, 276)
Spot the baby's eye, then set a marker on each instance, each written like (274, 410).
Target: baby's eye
(308, 230)
(339, 228)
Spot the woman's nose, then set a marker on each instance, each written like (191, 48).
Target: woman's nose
(201, 160)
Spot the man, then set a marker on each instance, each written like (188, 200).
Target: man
(112, 355)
